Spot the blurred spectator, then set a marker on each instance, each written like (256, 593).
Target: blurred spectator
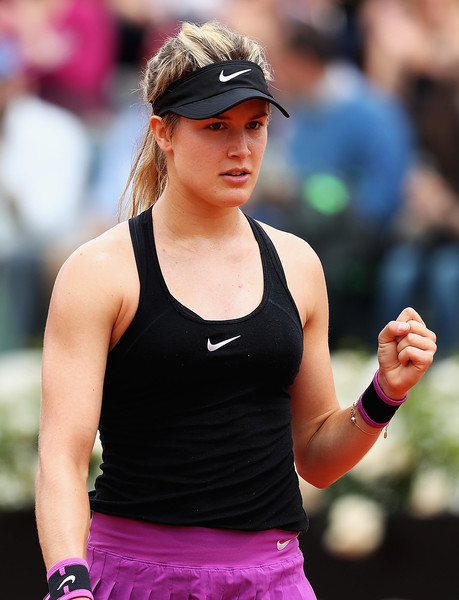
(71, 48)
(412, 49)
(115, 156)
(258, 19)
(44, 161)
(404, 38)
(349, 152)
(264, 20)
(135, 19)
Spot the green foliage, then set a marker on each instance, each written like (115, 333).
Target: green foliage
(19, 422)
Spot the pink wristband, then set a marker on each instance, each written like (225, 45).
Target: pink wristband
(375, 407)
(68, 579)
(65, 563)
(383, 396)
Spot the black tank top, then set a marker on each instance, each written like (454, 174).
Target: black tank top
(195, 421)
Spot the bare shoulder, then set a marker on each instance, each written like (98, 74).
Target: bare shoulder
(110, 249)
(99, 277)
(101, 263)
(303, 270)
(293, 251)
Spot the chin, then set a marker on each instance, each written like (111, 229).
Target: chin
(235, 204)
(235, 200)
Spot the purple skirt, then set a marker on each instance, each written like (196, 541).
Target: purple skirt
(133, 560)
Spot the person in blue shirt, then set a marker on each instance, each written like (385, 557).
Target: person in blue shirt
(349, 149)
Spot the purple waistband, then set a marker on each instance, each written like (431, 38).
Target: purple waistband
(191, 546)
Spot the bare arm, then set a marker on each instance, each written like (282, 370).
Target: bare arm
(326, 443)
(85, 308)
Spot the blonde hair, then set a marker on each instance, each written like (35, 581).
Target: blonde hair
(194, 46)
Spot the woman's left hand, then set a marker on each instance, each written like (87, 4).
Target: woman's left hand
(405, 352)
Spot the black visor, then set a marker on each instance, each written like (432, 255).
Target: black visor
(214, 89)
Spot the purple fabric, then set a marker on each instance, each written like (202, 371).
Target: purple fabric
(132, 560)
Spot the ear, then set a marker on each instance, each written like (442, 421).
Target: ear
(162, 136)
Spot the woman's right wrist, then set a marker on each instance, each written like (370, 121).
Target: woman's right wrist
(69, 580)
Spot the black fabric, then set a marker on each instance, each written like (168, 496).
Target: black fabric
(199, 437)
(214, 89)
(75, 578)
(376, 408)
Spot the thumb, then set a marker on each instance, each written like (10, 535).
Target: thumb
(393, 330)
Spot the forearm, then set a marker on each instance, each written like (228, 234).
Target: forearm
(345, 435)
(62, 511)
(336, 447)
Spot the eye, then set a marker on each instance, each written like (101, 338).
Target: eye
(216, 126)
(255, 125)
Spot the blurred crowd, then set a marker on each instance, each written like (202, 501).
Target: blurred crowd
(364, 169)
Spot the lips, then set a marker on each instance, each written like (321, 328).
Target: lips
(236, 173)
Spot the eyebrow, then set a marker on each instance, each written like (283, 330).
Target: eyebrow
(257, 116)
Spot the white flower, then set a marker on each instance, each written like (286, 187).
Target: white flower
(352, 374)
(20, 374)
(443, 376)
(356, 527)
(17, 487)
(430, 493)
(388, 457)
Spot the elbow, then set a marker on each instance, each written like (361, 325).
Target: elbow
(322, 483)
(319, 478)
(60, 467)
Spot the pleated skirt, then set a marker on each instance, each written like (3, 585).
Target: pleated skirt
(133, 560)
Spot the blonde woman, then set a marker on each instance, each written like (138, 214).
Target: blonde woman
(195, 339)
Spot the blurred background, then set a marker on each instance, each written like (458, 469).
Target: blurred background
(365, 170)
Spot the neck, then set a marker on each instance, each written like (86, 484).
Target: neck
(180, 223)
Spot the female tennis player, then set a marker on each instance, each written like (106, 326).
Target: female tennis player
(195, 339)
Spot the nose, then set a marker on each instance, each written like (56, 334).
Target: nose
(238, 145)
